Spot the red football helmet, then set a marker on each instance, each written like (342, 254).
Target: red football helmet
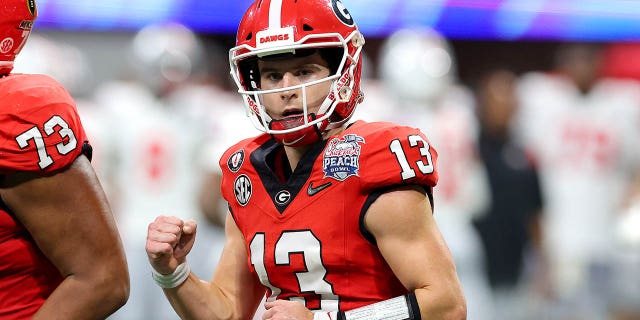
(273, 27)
(16, 20)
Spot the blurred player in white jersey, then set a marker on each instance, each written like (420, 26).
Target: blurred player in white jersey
(151, 159)
(584, 131)
(166, 135)
(418, 73)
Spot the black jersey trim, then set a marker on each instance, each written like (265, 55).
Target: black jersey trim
(298, 178)
(87, 150)
(373, 197)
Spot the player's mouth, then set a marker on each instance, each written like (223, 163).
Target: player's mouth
(292, 113)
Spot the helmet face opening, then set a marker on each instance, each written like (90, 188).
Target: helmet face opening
(248, 67)
(16, 21)
(287, 29)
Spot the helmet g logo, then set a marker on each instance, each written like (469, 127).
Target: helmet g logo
(342, 13)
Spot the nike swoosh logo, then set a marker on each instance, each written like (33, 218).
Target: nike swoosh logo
(311, 191)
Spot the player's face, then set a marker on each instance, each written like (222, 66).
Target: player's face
(278, 74)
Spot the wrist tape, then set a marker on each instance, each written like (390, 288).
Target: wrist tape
(398, 308)
(173, 280)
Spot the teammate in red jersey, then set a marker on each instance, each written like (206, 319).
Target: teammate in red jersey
(329, 219)
(60, 252)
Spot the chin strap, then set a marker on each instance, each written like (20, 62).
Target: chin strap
(300, 137)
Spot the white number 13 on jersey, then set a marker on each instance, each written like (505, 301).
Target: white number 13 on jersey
(425, 164)
(311, 280)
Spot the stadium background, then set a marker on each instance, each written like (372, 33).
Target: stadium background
(521, 34)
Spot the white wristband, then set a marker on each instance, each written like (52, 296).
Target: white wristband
(394, 308)
(173, 280)
(323, 315)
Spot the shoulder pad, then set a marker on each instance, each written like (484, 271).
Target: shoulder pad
(41, 130)
(388, 155)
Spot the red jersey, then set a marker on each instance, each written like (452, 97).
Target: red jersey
(305, 237)
(39, 132)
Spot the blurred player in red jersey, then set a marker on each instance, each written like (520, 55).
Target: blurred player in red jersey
(329, 219)
(60, 252)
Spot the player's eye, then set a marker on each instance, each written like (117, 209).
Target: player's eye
(305, 72)
(273, 76)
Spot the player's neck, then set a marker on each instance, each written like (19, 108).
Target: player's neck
(294, 154)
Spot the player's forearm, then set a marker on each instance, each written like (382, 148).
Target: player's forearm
(94, 297)
(444, 303)
(418, 305)
(196, 299)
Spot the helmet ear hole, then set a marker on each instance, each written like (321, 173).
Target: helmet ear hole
(307, 27)
(250, 73)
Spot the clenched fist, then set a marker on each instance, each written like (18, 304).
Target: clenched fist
(169, 240)
(286, 310)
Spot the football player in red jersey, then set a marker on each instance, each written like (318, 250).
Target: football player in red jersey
(329, 219)
(60, 252)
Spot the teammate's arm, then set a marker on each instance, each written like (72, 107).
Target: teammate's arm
(69, 218)
(407, 235)
(234, 291)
